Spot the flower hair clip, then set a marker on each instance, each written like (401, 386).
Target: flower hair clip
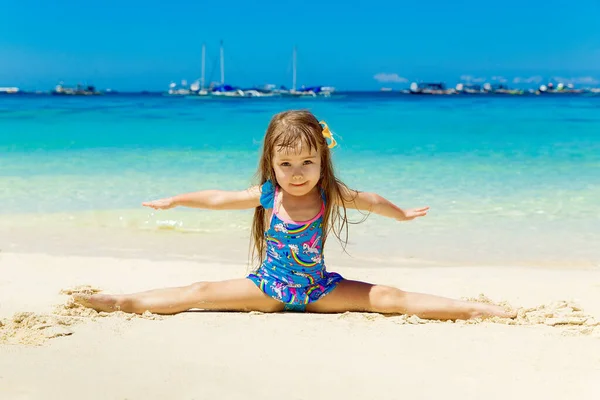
(328, 135)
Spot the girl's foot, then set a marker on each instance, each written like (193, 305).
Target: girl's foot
(99, 302)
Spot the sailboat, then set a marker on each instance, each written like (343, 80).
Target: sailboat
(197, 88)
(223, 89)
(313, 91)
(293, 91)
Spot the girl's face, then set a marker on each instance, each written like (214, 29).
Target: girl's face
(297, 170)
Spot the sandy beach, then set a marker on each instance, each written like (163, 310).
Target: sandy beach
(51, 349)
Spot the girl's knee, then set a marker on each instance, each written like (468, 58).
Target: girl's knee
(387, 298)
(199, 291)
(199, 287)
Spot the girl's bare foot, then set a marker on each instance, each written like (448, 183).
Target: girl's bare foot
(99, 302)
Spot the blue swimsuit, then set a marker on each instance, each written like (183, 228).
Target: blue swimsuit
(294, 270)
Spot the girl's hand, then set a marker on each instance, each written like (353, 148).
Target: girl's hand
(162, 204)
(413, 213)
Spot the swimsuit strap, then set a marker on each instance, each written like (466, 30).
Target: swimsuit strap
(267, 194)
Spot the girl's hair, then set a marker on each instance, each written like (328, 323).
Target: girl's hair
(289, 130)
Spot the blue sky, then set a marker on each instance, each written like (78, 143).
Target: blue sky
(135, 45)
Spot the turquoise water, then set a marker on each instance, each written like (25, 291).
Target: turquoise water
(511, 180)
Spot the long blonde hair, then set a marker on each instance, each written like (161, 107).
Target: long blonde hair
(287, 130)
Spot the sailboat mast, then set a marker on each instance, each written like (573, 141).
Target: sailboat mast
(203, 65)
(222, 65)
(294, 70)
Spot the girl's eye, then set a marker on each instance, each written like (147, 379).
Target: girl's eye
(285, 164)
(307, 162)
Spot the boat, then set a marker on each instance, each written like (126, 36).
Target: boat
(430, 88)
(468, 88)
(312, 91)
(78, 90)
(503, 89)
(9, 90)
(182, 90)
(224, 90)
(259, 92)
(561, 88)
(197, 88)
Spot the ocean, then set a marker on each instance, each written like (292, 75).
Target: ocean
(512, 181)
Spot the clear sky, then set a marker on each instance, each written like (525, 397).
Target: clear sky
(135, 45)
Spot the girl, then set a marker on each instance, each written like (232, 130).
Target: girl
(298, 203)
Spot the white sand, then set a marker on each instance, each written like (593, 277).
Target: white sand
(50, 355)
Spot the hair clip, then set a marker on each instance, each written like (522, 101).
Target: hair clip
(328, 135)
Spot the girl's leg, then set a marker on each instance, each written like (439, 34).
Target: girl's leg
(365, 297)
(231, 295)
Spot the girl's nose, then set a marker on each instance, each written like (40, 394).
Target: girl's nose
(297, 174)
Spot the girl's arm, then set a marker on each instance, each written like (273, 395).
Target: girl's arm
(211, 199)
(372, 202)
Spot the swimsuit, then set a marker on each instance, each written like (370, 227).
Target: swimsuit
(293, 271)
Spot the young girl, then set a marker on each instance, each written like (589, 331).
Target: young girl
(298, 203)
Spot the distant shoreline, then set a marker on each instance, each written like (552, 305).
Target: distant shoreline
(377, 93)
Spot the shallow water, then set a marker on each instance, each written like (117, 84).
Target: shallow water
(510, 180)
